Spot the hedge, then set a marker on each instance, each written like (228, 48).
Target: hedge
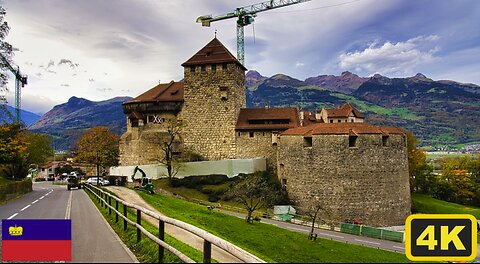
(14, 189)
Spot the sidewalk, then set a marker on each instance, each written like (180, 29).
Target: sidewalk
(194, 241)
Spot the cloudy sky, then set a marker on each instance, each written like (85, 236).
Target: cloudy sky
(99, 49)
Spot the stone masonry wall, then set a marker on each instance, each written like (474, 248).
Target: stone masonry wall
(210, 120)
(258, 146)
(368, 182)
(140, 145)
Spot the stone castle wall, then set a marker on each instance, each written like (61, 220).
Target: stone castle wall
(258, 146)
(141, 145)
(209, 118)
(368, 182)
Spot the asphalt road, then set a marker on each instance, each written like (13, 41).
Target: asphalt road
(92, 238)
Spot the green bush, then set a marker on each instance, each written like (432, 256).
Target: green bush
(194, 181)
(14, 189)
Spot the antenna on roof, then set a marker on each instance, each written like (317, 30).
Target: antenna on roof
(215, 32)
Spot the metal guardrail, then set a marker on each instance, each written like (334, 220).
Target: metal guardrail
(106, 198)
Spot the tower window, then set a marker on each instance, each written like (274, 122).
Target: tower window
(224, 93)
(214, 67)
(224, 67)
(284, 184)
(352, 141)
(307, 142)
(250, 134)
(203, 68)
(385, 141)
(192, 69)
(331, 121)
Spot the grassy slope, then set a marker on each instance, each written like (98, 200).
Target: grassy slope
(268, 242)
(427, 205)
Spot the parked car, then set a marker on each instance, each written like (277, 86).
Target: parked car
(95, 180)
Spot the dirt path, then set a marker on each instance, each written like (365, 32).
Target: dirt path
(131, 196)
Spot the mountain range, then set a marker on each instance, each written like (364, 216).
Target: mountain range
(28, 118)
(66, 122)
(439, 113)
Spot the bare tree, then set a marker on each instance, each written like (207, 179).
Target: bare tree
(169, 142)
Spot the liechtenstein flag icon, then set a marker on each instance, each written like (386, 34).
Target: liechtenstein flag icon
(37, 240)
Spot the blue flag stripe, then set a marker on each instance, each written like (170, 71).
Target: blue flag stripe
(37, 229)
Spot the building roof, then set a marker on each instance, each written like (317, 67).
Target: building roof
(267, 118)
(344, 111)
(342, 129)
(214, 52)
(164, 92)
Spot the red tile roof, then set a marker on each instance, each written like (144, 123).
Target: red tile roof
(267, 119)
(214, 52)
(164, 92)
(343, 129)
(344, 111)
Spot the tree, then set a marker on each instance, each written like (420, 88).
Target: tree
(6, 52)
(98, 146)
(256, 191)
(169, 142)
(419, 170)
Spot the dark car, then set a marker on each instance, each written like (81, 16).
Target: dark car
(73, 182)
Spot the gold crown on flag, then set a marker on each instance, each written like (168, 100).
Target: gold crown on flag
(15, 230)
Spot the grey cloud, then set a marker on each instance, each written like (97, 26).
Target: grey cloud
(68, 63)
(65, 85)
(103, 90)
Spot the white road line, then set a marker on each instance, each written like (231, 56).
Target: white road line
(322, 234)
(41, 197)
(69, 206)
(398, 247)
(294, 228)
(34, 202)
(15, 214)
(21, 210)
(365, 241)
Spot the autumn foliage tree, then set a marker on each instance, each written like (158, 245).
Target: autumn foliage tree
(98, 146)
(421, 173)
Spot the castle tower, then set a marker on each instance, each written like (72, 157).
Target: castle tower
(214, 82)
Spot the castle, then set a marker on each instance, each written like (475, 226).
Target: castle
(331, 158)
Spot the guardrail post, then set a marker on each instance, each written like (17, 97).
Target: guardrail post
(125, 214)
(207, 252)
(110, 204)
(116, 211)
(161, 235)
(139, 222)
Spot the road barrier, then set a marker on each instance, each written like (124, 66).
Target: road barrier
(368, 231)
(105, 200)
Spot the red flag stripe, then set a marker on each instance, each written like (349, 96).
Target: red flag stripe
(37, 250)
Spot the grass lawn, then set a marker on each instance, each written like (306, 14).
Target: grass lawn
(425, 204)
(271, 243)
(196, 196)
(146, 250)
(4, 181)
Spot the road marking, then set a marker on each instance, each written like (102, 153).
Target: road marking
(41, 197)
(365, 241)
(398, 247)
(15, 214)
(322, 234)
(34, 202)
(299, 229)
(25, 207)
(69, 206)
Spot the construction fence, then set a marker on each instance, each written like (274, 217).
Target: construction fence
(368, 231)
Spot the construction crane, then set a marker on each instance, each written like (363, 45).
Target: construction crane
(245, 17)
(20, 80)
